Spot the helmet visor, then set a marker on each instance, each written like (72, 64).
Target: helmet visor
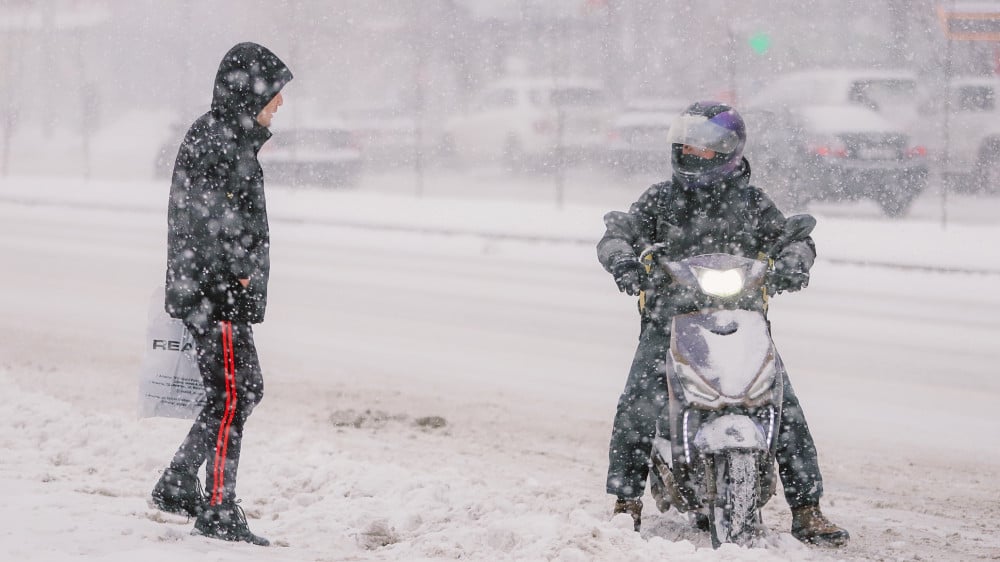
(702, 132)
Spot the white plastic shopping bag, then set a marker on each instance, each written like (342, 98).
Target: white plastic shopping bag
(170, 383)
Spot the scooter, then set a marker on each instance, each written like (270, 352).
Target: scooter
(714, 452)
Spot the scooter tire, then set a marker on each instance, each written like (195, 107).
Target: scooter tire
(733, 517)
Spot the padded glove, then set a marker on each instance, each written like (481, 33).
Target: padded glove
(627, 273)
(785, 278)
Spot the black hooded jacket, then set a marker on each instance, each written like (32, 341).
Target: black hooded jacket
(217, 218)
(732, 217)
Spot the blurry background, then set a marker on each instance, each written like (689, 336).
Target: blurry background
(106, 88)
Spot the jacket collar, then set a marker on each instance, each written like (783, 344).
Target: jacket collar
(726, 194)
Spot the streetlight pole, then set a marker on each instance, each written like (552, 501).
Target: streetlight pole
(418, 42)
(946, 158)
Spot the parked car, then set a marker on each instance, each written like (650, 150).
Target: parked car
(524, 121)
(834, 152)
(322, 153)
(894, 94)
(637, 140)
(971, 129)
(386, 133)
(972, 134)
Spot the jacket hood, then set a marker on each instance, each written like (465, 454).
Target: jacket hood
(249, 76)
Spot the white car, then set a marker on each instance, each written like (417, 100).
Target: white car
(386, 132)
(637, 140)
(317, 152)
(835, 153)
(973, 132)
(892, 93)
(527, 120)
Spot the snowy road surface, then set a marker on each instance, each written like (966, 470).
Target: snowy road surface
(522, 347)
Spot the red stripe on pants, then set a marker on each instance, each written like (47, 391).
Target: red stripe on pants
(222, 441)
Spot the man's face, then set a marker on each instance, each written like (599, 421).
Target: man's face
(266, 114)
(697, 151)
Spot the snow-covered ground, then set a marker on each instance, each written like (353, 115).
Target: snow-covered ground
(386, 309)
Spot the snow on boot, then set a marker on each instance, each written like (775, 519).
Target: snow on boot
(179, 492)
(631, 506)
(809, 525)
(228, 522)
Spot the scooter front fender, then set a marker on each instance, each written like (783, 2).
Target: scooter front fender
(730, 431)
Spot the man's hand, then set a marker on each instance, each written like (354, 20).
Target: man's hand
(781, 280)
(791, 268)
(628, 275)
(245, 283)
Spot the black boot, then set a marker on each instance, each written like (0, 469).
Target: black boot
(179, 492)
(809, 525)
(226, 521)
(633, 507)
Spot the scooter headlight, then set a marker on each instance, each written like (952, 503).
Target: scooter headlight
(719, 283)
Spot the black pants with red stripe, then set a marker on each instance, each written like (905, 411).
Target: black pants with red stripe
(234, 384)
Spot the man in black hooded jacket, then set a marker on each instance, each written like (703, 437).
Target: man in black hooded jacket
(216, 281)
(709, 206)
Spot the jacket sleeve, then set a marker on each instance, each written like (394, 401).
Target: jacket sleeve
(795, 258)
(627, 233)
(237, 236)
(220, 207)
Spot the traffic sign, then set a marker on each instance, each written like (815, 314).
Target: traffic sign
(970, 21)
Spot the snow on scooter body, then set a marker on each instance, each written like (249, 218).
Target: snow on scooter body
(714, 453)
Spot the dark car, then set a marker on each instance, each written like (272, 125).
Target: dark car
(321, 154)
(834, 153)
(637, 140)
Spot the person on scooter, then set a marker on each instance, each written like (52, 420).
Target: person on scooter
(708, 206)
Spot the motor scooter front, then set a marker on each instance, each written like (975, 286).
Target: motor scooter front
(714, 453)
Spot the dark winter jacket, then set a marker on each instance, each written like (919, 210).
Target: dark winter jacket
(733, 217)
(217, 218)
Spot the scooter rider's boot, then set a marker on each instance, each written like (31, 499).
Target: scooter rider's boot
(809, 525)
(631, 506)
